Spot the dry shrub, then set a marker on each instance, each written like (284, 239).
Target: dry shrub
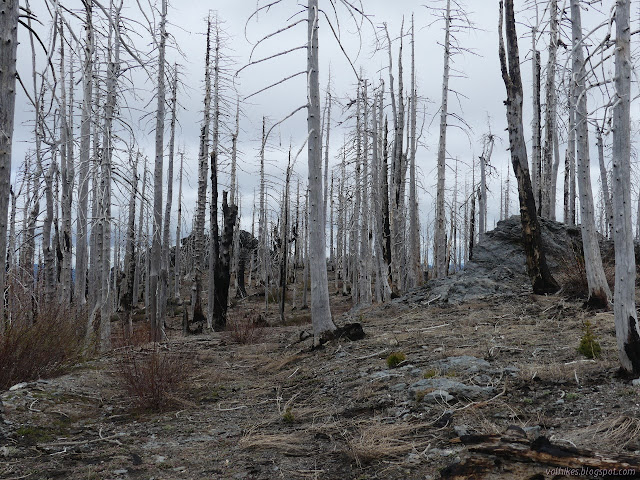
(40, 346)
(380, 440)
(245, 328)
(139, 336)
(573, 275)
(152, 377)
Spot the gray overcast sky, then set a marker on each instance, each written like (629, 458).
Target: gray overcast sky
(482, 85)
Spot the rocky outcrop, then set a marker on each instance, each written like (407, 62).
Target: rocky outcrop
(498, 266)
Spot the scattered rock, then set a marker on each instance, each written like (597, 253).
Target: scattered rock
(398, 387)
(461, 430)
(462, 364)
(458, 389)
(18, 386)
(438, 396)
(636, 382)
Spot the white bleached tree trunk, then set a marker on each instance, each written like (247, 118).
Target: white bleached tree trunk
(536, 147)
(549, 114)
(320, 310)
(85, 152)
(8, 58)
(156, 313)
(599, 292)
(178, 261)
(414, 270)
(604, 180)
(113, 70)
(441, 260)
(626, 317)
(365, 250)
(166, 243)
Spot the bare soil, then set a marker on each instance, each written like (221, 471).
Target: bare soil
(278, 409)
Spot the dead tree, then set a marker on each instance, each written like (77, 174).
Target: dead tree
(85, 152)
(8, 57)
(156, 313)
(599, 292)
(626, 317)
(537, 268)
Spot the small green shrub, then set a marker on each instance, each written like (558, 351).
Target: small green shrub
(288, 417)
(395, 359)
(430, 373)
(589, 346)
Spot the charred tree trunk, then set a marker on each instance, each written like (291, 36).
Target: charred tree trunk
(537, 268)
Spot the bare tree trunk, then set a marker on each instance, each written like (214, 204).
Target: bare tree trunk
(485, 159)
(8, 58)
(197, 315)
(550, 113)
(85, 150)
(66, 172)
(537, 268)
(284, 239)
(223, 264)
(127, 298)
(536, 160)
(262, 217)
(599, 292)
(178, 261)
(553, 192)
(113, 70)
(156, 313)
(356, 218)
(365, 251)
(440, 234)
(320, 310)
(604, 180)
(414, 229)
(214, 237)
(141, 249)
(326, 149)
(305, 254)
(626, 317)
(166, 243)
(213, 208)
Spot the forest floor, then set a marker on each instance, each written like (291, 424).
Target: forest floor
(278, 409)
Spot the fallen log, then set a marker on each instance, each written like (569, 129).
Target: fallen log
(490, 453)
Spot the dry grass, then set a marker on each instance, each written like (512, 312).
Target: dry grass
(292, 444)
(42, 349)
(376, 440)
(151, 377)
(620, 430)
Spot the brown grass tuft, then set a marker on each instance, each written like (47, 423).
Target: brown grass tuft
(380, 440)
(292, 444)
(152, 377)
(620, 430)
